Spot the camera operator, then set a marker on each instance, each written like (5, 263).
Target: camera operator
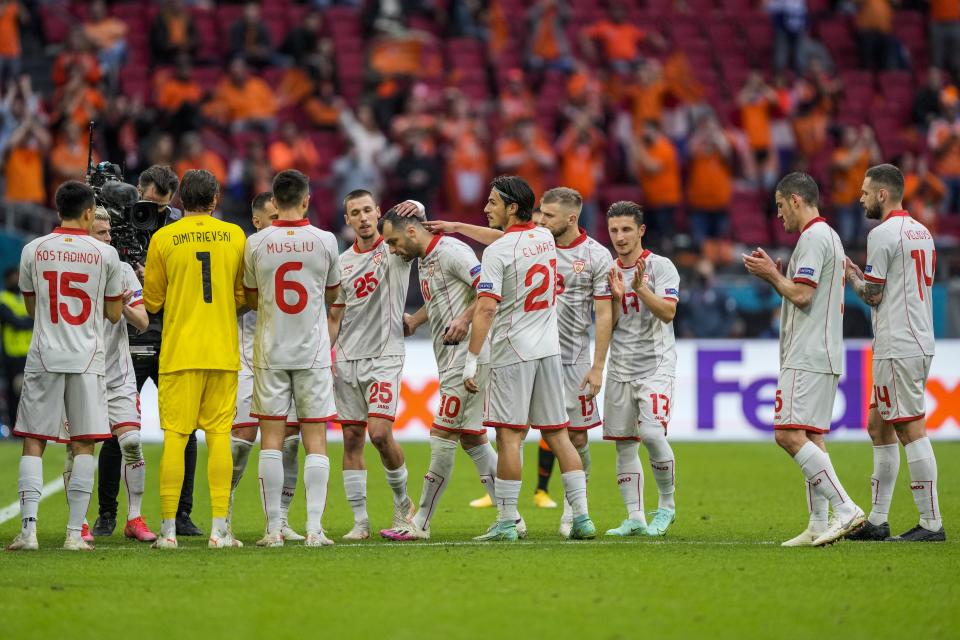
(156, 184)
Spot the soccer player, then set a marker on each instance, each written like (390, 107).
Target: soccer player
(194, 273)
(245, 426)
(643, 366)
(123, 400)
(70, 282)
(366, 325)
(518, 301)
(811, 354)
(291, 272)
(449, 272)
(897, 282)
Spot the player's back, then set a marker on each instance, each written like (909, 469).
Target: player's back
(901, 255)
(642, 345)
(291, 264)
(520, 271)
(71, 275)
(811, 339)
(582, 269)
(373, 292)
(194, 273)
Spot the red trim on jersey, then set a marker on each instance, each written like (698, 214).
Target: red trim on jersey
(806, 281)
(92, 436)
(622, 438)
(580, 239)
(813, 222)
(603, 297)
(801, 427)
(246, 288)
(241, 425)
(136, 303)
(72, 231)
(28, 293)
(487, 294)
(112, 298)
(302, 222)
(339, 304)
(263, 417)
(643, 256)
(588, 427)
(526, 226)
(357, 249)
(332, 418)
(333, 286)
(503, 425)
(902, 420)
(382, 415)
(900, 213)
(476, 281)
(124, 424)
(550, 427)
(23, 434)
(874, 279)
(293, 425)
(433, 243)
(472, 432)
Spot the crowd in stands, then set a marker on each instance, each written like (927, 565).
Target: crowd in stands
(692, 107)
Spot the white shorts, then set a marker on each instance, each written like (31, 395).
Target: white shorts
(627, 405)
(899, 388)
(308, 392)
(805, 400)
(123, 405)
(46, 398)
(242, 417)
(582, 413)
(368, 388)
(526, 394)
(461, 411)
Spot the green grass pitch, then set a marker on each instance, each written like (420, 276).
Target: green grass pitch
(719, 574)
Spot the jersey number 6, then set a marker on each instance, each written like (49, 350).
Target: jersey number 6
(282, 286)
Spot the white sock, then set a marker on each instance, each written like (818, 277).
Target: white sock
(485, 459)
(442, 455)
(630, 479)
(30, 486)
(271, 484)
(219, 527)
(355, 486)
(134, 471)
(79, 490)
(819, 508)
(661, 462)
(291, 469)
(923, 482)
(168, 528)
(886, 466)
(575, 490)
(67, 469)
(508, 493)
(397, 479)
(316, 476)
(816, 467)
(584, 452)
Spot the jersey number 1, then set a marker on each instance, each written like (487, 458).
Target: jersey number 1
(204, 258)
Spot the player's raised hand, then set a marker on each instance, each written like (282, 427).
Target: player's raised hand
(408, 208)
(456, 331)
(638, 275)
(592, 382)
(439, 226)
(615, 278)
(409, 325)
(760, 264)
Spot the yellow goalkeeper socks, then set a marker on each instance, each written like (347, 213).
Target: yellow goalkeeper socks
(171, 472)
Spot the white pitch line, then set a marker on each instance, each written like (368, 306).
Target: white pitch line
(12, 510)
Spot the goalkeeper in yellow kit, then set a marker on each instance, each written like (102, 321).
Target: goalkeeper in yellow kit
(194, 274)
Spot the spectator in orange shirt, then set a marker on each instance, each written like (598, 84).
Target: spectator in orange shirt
(249, 37)
(294, 150)
(875, 44)
(647, 93)
(516, 101)
(24, 162)
(619, 39)
(657, 166)
(923, 192)
(548, 47)
(321, 108)
(525, 152)
(945, 35)
(11, 16)
(857, 152)
(245, 101)
(76, 54)
(193, 155)
(109, 36)
(944, 140)
(710, 180)
(173, 33)
(68, 157)
(178, 98)
(757, 101)
(581, 165)
(77, 101)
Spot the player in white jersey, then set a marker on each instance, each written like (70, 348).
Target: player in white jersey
(811, 354)
(518, 301)
(898, 283)
(643, 363)
(70, 282)
(449, 273)
(245, 426)
(291, 272)
(366, 326)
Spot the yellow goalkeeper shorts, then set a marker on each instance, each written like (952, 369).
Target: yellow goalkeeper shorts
(197, 399)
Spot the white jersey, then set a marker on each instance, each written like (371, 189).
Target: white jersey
(642, 345)
(811, 339)
(373, 290)
(449, 274)
(119, 362)
(70, 274)
(520, 272)
(582, 269)
(246, 331)
(291, 264)
(902, 257)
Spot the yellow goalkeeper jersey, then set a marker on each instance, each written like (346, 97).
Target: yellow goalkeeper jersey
(194, 273)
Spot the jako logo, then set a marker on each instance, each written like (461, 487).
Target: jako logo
(623, 480)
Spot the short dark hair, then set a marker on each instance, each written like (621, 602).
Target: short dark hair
(290, 187)
(398, 221)
(199, 190)
(516, 190)
(162, 177)
(801, 184)
(73, 198)
(355, 195)
(563, 195)
(626, 208)
(888, 177)
(261, 199)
